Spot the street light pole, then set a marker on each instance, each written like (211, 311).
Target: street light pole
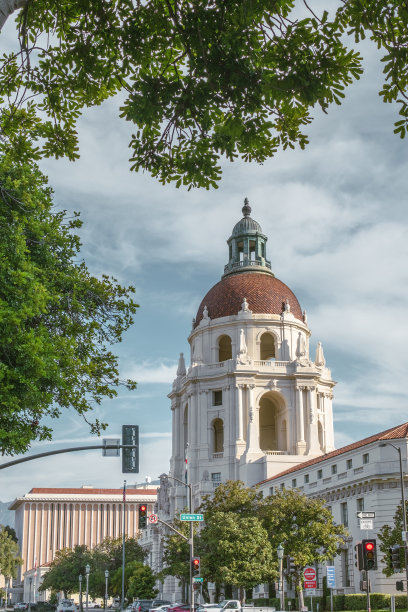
(87, 570)
(80, 593)
(404, 511)
(106, 587)
(30, 581)
(280, 551)
(191, 541)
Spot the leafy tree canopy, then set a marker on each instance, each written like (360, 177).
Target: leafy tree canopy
(57, 321)
(389, 535)
(304, 527)
(142, 582)
(9, 558)
(203, 80)
(231, 496)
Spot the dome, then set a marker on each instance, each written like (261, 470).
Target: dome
(247, 224)
(265, 294)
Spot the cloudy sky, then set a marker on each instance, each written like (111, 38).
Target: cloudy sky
(336, 218)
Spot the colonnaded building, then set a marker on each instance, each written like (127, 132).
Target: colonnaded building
(255, 405)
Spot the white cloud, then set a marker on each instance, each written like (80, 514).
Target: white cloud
(150, 372)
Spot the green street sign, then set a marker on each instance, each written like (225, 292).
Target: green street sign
(198, 579)
(191, 517)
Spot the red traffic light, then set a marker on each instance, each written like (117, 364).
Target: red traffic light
(196, 562)
(142, 508)
(369, 546)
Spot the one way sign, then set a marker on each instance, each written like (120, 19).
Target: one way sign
(365, 515)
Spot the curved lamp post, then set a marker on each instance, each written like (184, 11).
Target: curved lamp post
(404, 511)
(106, 588)
(280, 551)
(87, 570)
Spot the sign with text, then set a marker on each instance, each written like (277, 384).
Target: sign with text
(366, 523)
(364, 515)
(191, 517)
(331, 576)
(309, 578)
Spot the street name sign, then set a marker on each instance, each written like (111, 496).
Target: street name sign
(331, 576)
(366, 523)
(363, 515)
(191, 517)
(153, 518)
(198, 579)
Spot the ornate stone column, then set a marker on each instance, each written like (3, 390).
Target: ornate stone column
(253, 429)
(300, 442)
(313, 442)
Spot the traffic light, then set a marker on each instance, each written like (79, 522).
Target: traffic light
(142, 516)
(290, 565)
(358, 556)
(369, 554)
(195, 566)
(399, 585)
(394, 557)
(130, 456)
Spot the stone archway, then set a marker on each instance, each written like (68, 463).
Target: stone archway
(273, 418)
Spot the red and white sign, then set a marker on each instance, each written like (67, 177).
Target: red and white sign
(153, 519)
(309, 575)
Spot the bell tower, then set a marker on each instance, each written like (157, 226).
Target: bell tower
(252, 402)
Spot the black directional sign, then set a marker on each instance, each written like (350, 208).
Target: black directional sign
(363, 515)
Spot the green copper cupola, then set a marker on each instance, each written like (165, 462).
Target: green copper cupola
(247, 246)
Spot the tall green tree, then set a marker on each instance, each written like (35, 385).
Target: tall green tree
(235, 550)
(176, 555)
(9, 557)
(141, 581)
(389, 535)
(65, 569)
(57, 321)
(304, 527)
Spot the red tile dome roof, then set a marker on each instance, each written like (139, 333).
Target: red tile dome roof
(265, 294)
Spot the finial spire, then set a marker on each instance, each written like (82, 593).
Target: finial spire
(246, 209)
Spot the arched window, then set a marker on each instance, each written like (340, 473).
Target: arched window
(224, 348)
(273, 434)
(267, 347)
(321, 436)
(218, 436)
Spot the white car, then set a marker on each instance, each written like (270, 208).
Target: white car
(66, 605)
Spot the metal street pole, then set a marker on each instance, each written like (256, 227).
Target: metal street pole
(87, 570)
(80, 593)
(191, 541)
(106, 588)
(280, 551)
(123, 546)
(404, 510)
(30, 580)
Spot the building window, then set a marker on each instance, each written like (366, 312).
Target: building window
(344, 514)
(270, 490)
(349, 464)
(217, 398)
(218, 436)
(224, 348)
(360, 504)
(294, 483)
(306, 478)
(319, 473)
(366, 458)
(216, 478)
(334, 469)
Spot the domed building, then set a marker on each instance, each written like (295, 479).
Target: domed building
(252, 402)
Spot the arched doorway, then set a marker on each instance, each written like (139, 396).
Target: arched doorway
(267, 350)
(218, 436)
(273, 435)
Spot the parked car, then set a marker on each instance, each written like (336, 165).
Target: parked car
(66, 605)
(182, 608)
(142, 605)
(160, 604)
(21, 606)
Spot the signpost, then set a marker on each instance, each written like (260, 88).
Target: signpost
(331, 576)
(365, 515)
(198, 579)
(191, 517)
(309, 578)
(153, 518)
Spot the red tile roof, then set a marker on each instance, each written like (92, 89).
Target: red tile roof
(265, 294)
(92, 491)
(395, 433)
